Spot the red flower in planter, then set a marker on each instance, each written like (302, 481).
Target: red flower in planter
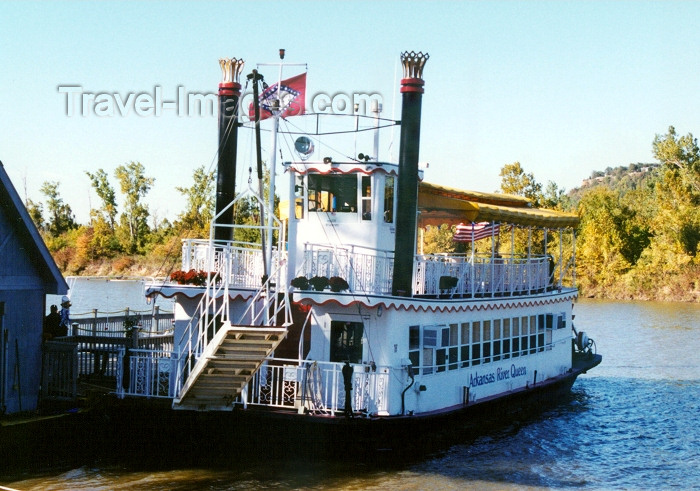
(191, 277)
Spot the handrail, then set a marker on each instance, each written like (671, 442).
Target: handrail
(301, 336)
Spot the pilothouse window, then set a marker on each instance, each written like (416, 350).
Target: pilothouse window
(389, 199)
(333, 193)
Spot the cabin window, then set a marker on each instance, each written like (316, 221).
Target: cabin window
(533, 334)
(346, 341)
(446, 354)
(476, 343)
(414, 346)
(516, 336)
(453, 351)
(496, 339)
(389, 199)
(429, 344)
(333, 193)
(486, 338)
(506, 339)
(366, 197)
(465, 344)
(299, 197)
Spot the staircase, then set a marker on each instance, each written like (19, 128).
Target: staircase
(227, 365)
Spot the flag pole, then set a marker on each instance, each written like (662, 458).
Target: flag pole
(273, 165)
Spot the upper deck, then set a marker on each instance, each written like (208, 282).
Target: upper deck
(370, 271)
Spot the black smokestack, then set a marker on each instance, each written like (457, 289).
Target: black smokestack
(407, 192)
(229, 94)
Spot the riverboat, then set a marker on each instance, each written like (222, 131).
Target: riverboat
(336, 320)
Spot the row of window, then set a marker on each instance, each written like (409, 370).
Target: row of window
(338, 193)
(436, 348)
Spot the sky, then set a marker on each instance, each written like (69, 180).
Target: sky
(565, 88)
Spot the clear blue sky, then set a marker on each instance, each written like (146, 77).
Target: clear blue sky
(565, 88)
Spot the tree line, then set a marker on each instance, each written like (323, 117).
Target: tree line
(639, 230)
(638, 237)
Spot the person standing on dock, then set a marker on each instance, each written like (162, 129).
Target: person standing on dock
(64, 324)
(52, 323)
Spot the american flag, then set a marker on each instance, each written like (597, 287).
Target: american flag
(475, 231)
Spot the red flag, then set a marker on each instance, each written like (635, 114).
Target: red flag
(475, 231)
(292, 97)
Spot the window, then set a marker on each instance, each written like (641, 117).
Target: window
(299, 197)
(486, 341)
(552, 321)
(346, 341)
(516, 336)
(333, 193)
(453, 353)
(524, 335)
(389, 199)
(496, 339)
(366, 197)
(465, 344)
(533, 334)
(414, 346)
(476, 343)
(506, 339)
(429, 344)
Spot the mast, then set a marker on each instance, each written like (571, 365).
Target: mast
(229, 94)
(256, 77)
(276, 111)
(407, 191)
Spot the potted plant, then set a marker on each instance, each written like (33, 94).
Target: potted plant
(191, 277)
(301, 282)
(338, 284)
(319, 283)
(131, 325)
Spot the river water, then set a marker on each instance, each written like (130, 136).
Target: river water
(631, 423)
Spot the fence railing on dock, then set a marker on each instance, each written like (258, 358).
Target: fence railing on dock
(59, 380)
(94, 348)
(108, 323)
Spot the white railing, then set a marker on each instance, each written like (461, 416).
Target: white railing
(366, 270)
(147, 373)
(477, 275)
(242, 262)
(319, 387)
(481, 275)
(313, 387)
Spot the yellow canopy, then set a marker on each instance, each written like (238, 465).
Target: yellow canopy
(442, 204)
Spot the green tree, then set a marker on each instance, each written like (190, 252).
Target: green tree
(61, 217)
(600, 261)
(134, 185)
(105, 191)
(514, 180)
(36, 213)
(200, 203)
(678, 191)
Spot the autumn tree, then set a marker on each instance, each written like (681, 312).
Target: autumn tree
(61, 217)
(105, 191)
(514, 180)
(134, 185)
(36, 213)
(200, 203)
(678, 192)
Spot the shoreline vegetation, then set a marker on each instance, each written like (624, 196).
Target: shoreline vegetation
(638, 236)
